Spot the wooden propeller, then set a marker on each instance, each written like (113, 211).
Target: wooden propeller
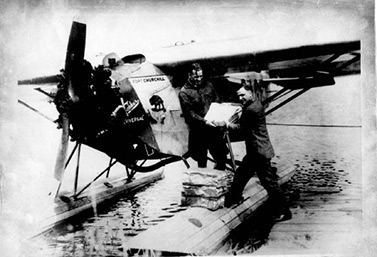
(74, 60)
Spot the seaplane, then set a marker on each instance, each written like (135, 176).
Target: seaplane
(128, 108)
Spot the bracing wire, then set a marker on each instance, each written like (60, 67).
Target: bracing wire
(314, 125)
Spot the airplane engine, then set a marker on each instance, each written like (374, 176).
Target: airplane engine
(130, 119)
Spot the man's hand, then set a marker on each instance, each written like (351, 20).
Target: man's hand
(221, 124)
(232, 126)
(210, 123)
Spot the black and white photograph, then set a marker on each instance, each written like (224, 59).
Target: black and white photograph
(188, 128)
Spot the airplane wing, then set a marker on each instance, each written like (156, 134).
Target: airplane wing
(339, 58)
(295, 69)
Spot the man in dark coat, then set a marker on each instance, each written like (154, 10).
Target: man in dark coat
(259, 152)
(196, 97)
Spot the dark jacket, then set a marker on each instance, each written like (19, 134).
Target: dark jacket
(195, 102)
(254, 130)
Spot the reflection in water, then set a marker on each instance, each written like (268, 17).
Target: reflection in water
(107, 233)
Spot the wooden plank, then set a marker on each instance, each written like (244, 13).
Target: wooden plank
(248, 207)
(160, 238)
(201, 231)
(61, 211)
(210, 233)
(213, 239)
(231, 219)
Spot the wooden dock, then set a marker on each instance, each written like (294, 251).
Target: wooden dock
(201, 231)
(324, 223)
(98, 193)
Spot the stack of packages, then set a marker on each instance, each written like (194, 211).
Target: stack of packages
(205, 188)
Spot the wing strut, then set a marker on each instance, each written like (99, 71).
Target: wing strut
(275, 96)
(111, 164)
(44, 92)
(71, 155)
(288, 90)
(36, 111)
(77, 168)
(287, 100)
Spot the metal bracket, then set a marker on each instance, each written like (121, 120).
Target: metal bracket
(112, 163)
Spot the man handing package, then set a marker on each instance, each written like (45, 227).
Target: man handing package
(259, 151)
(196, 97)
